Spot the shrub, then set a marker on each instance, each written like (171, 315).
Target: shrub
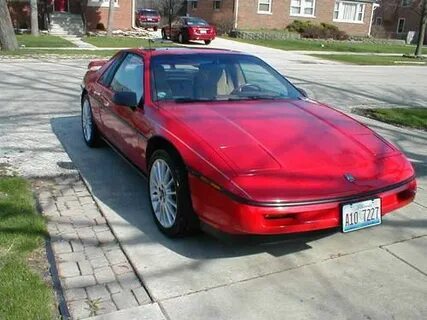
(100, 26)
(299, 26)
(307, 29)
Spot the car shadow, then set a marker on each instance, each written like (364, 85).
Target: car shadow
(123, 190)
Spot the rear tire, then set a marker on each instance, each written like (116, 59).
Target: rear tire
(181, 38)
(169, 195)
(91, 134)
(155, 28)
(207, 42)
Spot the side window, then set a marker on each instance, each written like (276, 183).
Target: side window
(129, 76)
(105, 79)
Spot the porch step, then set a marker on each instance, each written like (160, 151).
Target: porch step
(66, 24)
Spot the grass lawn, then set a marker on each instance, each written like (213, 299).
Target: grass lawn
(122, 42)
(344, 46)
(58, 53)
(407, 117)
(372, 59)
(23, 292)
(43, 41)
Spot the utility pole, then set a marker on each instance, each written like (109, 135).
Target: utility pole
(422, 29)
(34, 18)
(170, 18)
(110, 19)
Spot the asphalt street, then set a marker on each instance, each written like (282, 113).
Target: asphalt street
(374, 273)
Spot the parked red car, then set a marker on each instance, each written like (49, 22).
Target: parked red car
(147, 18)
(184, 29)
(226, 140)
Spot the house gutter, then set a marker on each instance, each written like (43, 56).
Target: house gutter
(374, 6)
(133, 14)
(236, 13)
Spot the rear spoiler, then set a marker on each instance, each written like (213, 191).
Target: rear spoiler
(95, 65)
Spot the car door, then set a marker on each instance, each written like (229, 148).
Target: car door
(97, 91)
(117, 119)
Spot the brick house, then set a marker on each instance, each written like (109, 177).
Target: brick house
(94, 12)
(351, 16)
(395, 18)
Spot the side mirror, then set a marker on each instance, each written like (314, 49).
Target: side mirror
(125, 98)
(303, 92)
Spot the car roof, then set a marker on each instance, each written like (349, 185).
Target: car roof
(181, 51)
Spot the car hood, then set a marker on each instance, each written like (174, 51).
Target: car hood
(294, 149)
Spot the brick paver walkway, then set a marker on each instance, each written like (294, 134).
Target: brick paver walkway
(95, 274)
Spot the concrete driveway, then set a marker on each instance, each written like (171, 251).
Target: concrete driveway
(374, 273)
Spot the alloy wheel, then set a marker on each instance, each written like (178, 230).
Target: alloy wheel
(87, 123)
(163, 193)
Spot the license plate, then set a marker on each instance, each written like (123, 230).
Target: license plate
(361, 215)
(203, 31)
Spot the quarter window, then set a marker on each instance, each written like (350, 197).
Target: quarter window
(129, 76)
(105, 79)
(302, 8)
(264, 6)
(349, 11)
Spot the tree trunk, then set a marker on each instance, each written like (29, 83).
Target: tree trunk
(34, 18)
(7, 34)
(110, 19)
(422, 30)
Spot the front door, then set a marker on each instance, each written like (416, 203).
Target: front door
(61, 5)
(118, 120)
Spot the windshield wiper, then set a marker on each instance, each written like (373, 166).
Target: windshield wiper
(188, 100)
(257, 97)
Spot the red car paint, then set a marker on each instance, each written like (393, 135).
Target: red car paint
(258, 167)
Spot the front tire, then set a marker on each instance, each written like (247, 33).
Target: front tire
(169, 195)
(90, 131)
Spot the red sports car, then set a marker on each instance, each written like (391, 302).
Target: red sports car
(185, 29)
(226, 140)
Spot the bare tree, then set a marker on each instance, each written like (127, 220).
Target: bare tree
(169, 7)
(421, 29)
(34, 18)
(110, 19)
(7, 34)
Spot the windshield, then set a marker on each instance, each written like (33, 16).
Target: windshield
(149, 13)
(196, 22)
(216, 77)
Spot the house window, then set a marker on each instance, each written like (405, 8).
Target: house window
(193, 4)
(379, 21)
(401, 25)
(349, 11)
(217, 4)
(102, 3)
(303, 8)
(264, 6)
(406, 3)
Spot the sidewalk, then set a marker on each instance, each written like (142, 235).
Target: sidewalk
(95, 274)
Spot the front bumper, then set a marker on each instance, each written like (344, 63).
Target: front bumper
(220, 211)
